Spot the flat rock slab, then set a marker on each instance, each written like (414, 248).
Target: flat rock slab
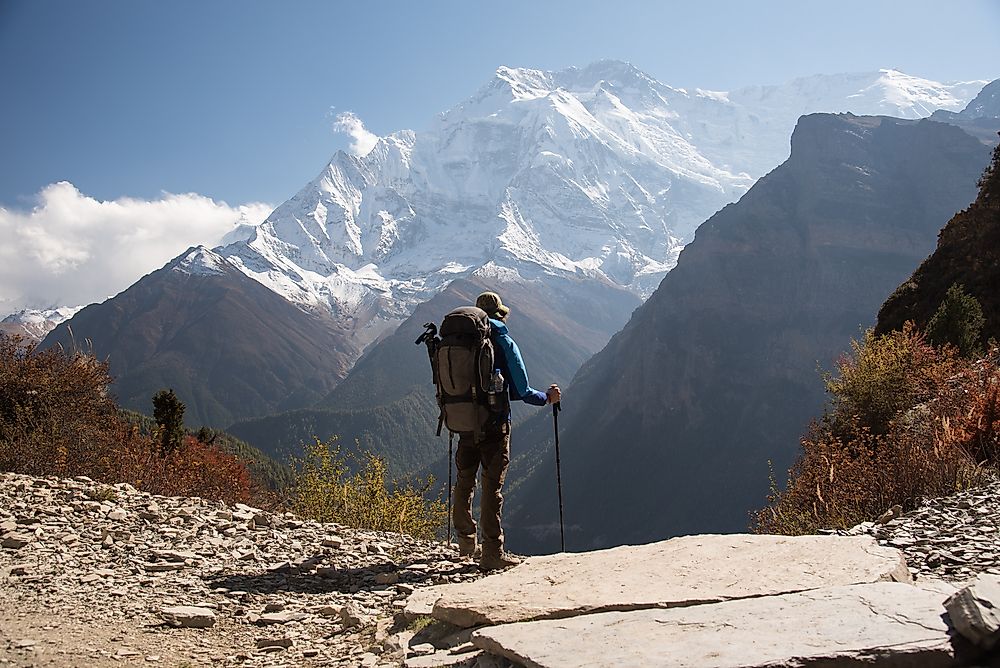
(883, 624)
(684, 571)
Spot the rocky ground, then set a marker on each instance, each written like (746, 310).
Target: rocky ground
(98, 575)
(952, 538)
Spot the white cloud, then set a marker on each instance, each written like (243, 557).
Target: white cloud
(363, 140)
(72, 249)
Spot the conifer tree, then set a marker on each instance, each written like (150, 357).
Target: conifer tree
(168, 411)
(958, 321)
(989, 182)
(207, 435)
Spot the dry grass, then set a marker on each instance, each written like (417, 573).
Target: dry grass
(907, 421)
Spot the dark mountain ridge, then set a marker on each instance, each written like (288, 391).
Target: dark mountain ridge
(670, 428)
(227, 345)
(985, 106)
(387, 401)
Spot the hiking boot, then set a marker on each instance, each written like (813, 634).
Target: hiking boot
(466, 546)
(498, 562)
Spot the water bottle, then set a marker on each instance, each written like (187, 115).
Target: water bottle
(494, 392)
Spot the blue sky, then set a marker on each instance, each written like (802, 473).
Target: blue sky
(235, 100)
(133, 129)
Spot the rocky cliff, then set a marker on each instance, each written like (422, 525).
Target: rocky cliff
(670, 429)
(968, 253)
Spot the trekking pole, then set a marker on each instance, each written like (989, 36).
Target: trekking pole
(556, 407)
(451, 435)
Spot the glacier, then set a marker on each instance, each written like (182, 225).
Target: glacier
(596, 171)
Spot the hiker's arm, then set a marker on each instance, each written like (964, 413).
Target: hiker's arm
(520, 389)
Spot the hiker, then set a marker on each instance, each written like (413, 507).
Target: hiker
(491, 449)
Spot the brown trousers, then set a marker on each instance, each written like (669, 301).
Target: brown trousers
(492, 453)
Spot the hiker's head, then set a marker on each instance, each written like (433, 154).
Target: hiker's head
(490, 302)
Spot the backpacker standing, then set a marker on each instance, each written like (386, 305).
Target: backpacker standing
(490, 448)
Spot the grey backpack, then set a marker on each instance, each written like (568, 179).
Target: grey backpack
(463, 365)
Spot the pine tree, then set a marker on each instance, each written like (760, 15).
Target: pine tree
(207, 435)
(989, 182)
(168, 411)
(958, 321)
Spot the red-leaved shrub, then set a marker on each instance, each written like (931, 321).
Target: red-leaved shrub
(58, 418)
(907, 421)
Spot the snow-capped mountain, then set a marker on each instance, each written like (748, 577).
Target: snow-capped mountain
(36, 323)
(229, 346)
(985, 106)
(599, 170)
(577, 186)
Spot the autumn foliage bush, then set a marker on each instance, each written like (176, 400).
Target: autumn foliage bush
(57, 418)
(906, 421)
(327, 490)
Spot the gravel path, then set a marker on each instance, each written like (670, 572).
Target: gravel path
(94, 575)
(97, 575)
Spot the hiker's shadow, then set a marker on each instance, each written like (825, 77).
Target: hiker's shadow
(324, 580)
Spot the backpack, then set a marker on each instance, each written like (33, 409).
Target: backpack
(462, 363)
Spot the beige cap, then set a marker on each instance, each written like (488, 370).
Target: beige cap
(490, 302)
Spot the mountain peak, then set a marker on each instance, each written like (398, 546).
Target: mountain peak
(597, 170)
(527, 83)
(986, 104)
(524, 83)
(36, 323)
(920, 96)
(199, 261)
(616, 72)
(612, 65)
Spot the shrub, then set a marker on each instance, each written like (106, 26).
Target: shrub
(55, 411)
(968, 407)
(58, 418)
(958, 321)
(836, 484)
(263, 469)
(326, 490)
(195, 469)
(882, 376)
(102, 494)
(989, 182)
(907, 421)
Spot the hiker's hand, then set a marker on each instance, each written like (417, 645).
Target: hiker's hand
(553, 394)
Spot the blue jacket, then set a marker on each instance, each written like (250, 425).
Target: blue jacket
(508, 359)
